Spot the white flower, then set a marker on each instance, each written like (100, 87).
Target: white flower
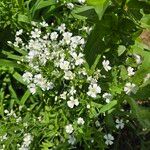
(72, 102)
(78, 58)
(130, 88)
(68, 75)
(130, 71)
(88, 106)
(64, 65)
(80, 121)
(70, 5)
(106, 66)
(19, 32)
(27, 77)
(81, 1)
(94, 90)
(137, 59)
(44, 24)
(107, 97)
(72, 91)
(69, 128)
(109, 139)
(32, 88)
(120, 124)
(62, 28)
(71, 140)
(54, 36)
(63, 95)
(36, 33)
(67, 37)
(27, 139)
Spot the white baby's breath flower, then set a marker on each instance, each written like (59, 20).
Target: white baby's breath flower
(32, 88)
(130, 71)
(130, 88)
(62, 28)
(64, 65)
(107, 97)
(67, 37)
(27, 77)
(68, 75)
(88, 106)
(72, 102)
(71, 140)
(119, 124)
(81, 1)
(137, 59)
(109, 139)
(36, 33)
(80, 121)
(94, 90)
(106, 65)
(69, 128)
(63, 95)
(70, 5)
(78, 58)
(44, 24)
(54, 36)
(19, 32)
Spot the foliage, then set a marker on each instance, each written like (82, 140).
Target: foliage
(74, 74)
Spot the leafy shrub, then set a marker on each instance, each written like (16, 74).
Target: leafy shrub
(82, 73)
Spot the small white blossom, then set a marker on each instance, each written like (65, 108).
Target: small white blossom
(62, 28)
(120, 124)
(94, 90)
(88, 106)
(63, 95)
(107, 97)
(54, 36)
(36, 33)
(69, 128)
(81, 1)
(27, 77)
(32, 88)
(68, 75)
(106, 65)
(70, 5)
(109, 139)
(19, 32)
(64, 65)
(44, 24)
(137, 59)
(130, 88)
(80, 121)
(71, 140)
(78, 58)
(130, 71)
(67, 37)
(72, 102)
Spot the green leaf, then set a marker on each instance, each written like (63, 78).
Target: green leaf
(141, 113)
(23, 18)
(12, 56)
(8, 63)
(41, 4)
(18, 77)
(121, 50)
(108, 106)
(25, 97)
(99, 6)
